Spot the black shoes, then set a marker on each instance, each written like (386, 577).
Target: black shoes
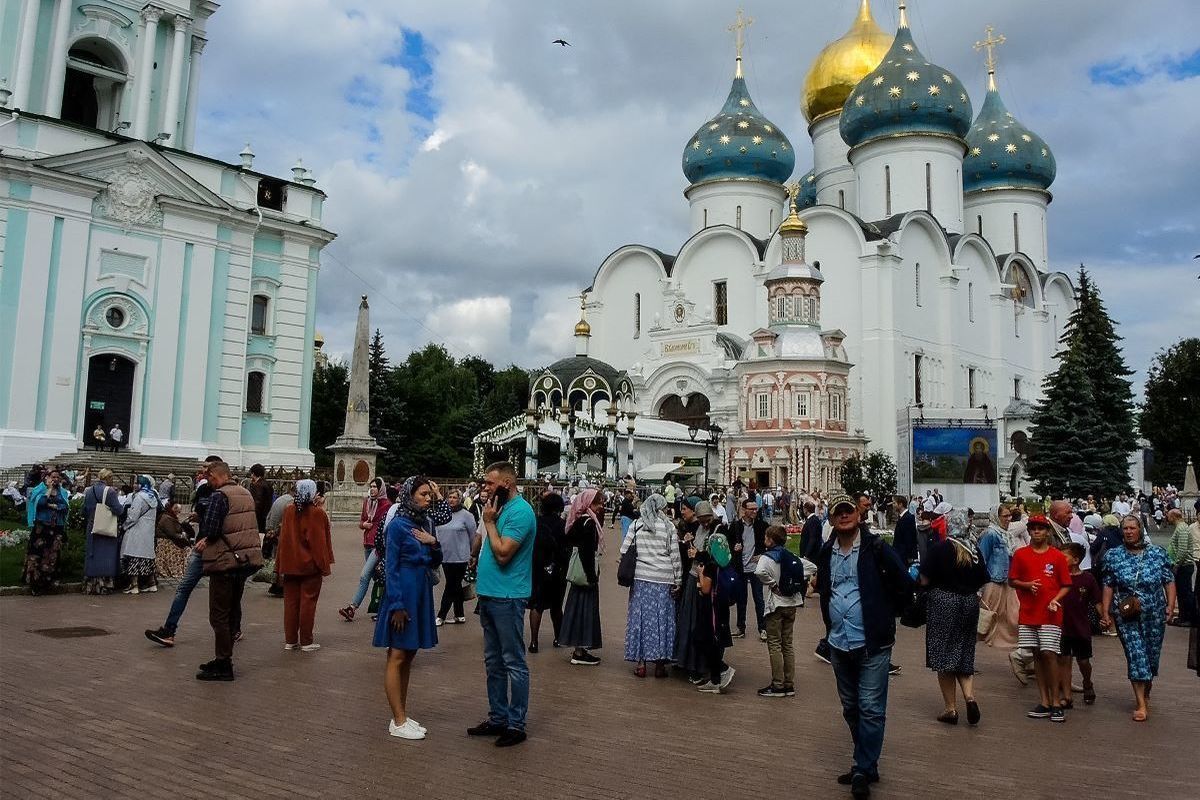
(219, 669)
(893, 669)
(161, 636)
(487, 728)
(510, 737)
(845, 779)
(860, 786)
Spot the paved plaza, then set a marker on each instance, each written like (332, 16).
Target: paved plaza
(114, 715)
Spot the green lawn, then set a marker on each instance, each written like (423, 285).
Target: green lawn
(70, 561)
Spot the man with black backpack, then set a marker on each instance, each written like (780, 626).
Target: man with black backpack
(863, 586)
(782, 575)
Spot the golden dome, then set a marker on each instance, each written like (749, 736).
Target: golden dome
(842, 64)
(582, 328)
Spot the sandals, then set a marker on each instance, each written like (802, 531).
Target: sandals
(1139, 715)
(640, 671)
(973, 715)
(949, 717)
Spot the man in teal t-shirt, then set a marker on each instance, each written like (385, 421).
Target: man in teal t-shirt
(504, 582)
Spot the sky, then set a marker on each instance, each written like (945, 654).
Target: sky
(478, 174)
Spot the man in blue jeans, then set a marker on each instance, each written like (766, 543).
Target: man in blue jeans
(504, 581)
(862, 583)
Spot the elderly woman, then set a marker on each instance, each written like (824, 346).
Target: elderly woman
(137, 545)
(650, 629)
(102, 556)
(1141, 571)
(303, 558)
(456, 537)
(581, 617)
(48, 505)
(173, 542)
(953, 574)
(406, 612)
(998, 597)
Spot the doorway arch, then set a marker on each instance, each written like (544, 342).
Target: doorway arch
(108, 400)
(693, 412)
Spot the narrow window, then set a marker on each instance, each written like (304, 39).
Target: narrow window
(1016, 234)
(1017, 388)
(771, 220)
(254, 392)
(258, 314)
(887, 190)
(841, 199)
(971, 387)
(738, 224)
(781, 308)
(928, 187)
(971, 302)
(706, 217)
(802, 405)
(764, 405)
(810, 310)
(721, 302)
(979, 224)
(637, 314)
(917, 282)
(835, 406)
(917, 394)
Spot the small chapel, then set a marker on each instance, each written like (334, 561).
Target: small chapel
(143, 285)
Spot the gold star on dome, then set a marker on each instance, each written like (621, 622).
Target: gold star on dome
(913, 76)
(934, 90)
(993, 137)
(714, 126)
(908, 47)
(1045, 152)
(743, 102)
(894, 91)
(724, 140)
(756, 139)
(975, 151)
(947, 78)
(878, 81)
(1010, 148)
(742, 149)
(708, 151)
(696, 145)
(858, 101)
(1027, 137)
(768, 129)
(962, 98)
(743, 124)
(783, 145)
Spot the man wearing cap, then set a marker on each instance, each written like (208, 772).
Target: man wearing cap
(1042, 577)
(862, 584)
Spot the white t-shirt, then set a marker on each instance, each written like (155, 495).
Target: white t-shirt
(116, 434)
(1120, 508)
(1081, 538)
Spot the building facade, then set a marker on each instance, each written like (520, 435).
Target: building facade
(142, 284)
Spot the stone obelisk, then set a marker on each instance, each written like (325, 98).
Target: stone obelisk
(355, 450)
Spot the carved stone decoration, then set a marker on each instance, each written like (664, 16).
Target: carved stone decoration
(130, 197)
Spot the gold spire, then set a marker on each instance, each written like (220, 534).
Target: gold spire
(582, 328)
(842, 64)
(903, 14)
(738, 29)
(990, 43)
(793, 224)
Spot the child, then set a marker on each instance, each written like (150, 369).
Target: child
(1042, 577)
(712, 625)
(780, 613)
(1077, 628)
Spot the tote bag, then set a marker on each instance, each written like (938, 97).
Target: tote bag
(576, 575)
(104, 521)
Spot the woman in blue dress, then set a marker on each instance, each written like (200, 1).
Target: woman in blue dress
(406, 612)
(1141, 569)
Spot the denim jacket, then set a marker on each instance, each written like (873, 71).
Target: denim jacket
(52, 509)
(994, 550)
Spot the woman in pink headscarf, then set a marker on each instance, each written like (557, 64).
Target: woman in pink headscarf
(581, 617)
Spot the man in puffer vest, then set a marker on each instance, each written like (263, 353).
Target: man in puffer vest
(231, 551)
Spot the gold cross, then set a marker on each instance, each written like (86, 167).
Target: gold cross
(990, 43)
(793, 192)
(739, 29)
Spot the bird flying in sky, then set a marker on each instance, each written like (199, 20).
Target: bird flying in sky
(561, 43)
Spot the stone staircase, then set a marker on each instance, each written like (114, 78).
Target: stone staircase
(125, 464)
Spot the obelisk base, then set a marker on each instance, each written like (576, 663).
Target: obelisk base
(353, 470)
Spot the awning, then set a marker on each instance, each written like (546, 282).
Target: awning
(659, 472)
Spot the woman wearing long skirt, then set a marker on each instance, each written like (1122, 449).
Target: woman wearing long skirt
(137, 545)
(551, 556)
(581, 617)
(696, 523)
(953, 572)
(172, 543)
(650, 628)
(102, 554)
(998, 597)
(49, 507)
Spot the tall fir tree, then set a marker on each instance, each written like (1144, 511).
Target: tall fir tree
(378, 368)
(1082, 431)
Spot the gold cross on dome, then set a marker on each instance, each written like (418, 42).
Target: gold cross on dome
(738, 29)
(793, 192)
(990, 43)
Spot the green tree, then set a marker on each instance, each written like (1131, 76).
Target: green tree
(377, 373)
(873, 473)
(331, 387)
(1170, 416)
(852, 475)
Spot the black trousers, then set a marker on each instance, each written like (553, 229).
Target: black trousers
(452, 592)
(1186, 595)
(225, 609)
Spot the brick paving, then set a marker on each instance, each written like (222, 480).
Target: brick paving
(115, 715)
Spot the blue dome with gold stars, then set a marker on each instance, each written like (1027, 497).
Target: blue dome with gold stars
(1004, 154)
(739, 142)
(807, 196)
(906, 95)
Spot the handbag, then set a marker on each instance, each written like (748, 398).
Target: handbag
(435, 575)
(627, 567)
(104, 521)
(987, 621)
(1130, 608)
(916, 613)
(576, 575)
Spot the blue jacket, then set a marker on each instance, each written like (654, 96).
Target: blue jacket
(52, 509)
(883, 585)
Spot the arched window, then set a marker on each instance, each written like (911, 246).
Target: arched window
(810, 310)
(781, 307)
(258, 314)
(637, 314)
(841, 199)
(979, 224)
(739, 218)
(255, 384)
(917, 282)
(95, 80)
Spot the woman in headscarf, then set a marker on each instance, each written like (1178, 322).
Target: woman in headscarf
(102, 554)
(137, 545)
(1142, 571)
(697, 521)
(49, 507)
(406, 612)
(374, 509)
(172, 543)
(998, 597)
(304, 556)
(550, 557)
(650, 628)
(953, 574)
(581, 617)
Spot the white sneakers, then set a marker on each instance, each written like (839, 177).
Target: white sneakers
(287, 646)
(727, 677)
(409, 730)
(308, 648)
(438, 621)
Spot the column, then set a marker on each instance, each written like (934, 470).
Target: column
(58, 59)
(29, 25)
(564, 419)
(530, 445)
(175, 81)
(629, 446)
(145, 73)
(611, 461)
(192, 101)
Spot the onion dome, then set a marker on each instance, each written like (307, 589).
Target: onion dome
(807, 196)
(1002, 153)
(842, 63)
(738, 143)
(906, 95)
(792, 231)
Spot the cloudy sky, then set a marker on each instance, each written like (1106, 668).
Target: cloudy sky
(477, 174)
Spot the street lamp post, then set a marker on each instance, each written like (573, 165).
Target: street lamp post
(714, 433)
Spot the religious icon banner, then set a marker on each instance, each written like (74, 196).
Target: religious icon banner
(954, 455)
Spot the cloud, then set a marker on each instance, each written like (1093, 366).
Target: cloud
(469, 160)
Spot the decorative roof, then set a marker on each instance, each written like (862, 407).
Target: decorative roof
(738, 143)
(906, 95)
(841, 64)
(573, 372)
(808, 190)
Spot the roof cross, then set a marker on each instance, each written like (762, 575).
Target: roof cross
(990, 43)
(738, 29)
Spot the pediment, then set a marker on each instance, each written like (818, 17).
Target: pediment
(137, 175)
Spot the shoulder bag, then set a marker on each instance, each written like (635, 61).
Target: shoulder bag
(627, 568)
(104, 521)
(576, 574)
(1130, 608)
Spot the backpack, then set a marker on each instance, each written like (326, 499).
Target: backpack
(718, 548)
(791, 572)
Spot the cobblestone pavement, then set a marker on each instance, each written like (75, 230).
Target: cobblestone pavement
(115, 715)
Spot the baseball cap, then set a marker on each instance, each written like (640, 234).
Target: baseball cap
(1037, 519)
(841, 500)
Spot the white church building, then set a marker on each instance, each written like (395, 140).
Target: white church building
(143, 284)
(920, 289)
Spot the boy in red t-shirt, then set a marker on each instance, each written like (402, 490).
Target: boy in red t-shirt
(1042, 577)
(1077, 628)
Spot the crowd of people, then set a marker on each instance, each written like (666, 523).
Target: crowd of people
(1040, 581)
